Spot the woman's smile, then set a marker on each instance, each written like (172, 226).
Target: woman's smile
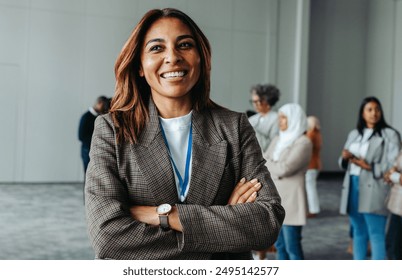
(173, 74)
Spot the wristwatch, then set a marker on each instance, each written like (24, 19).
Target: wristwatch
(163, 211)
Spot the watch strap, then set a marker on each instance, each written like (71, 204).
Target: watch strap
(164, 222)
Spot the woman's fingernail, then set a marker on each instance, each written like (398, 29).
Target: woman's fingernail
(257, 186)
(243, 180)
(254, 194)
(254, 181)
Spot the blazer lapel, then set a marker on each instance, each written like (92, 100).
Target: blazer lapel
(208, 160)
(153, 160)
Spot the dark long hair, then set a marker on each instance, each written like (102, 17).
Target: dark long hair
(129, 109)
(380, 125)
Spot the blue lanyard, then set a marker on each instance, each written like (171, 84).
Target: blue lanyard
(182, 183)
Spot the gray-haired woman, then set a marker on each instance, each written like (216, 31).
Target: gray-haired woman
(265, 122)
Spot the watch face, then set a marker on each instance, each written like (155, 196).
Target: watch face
(164, 209)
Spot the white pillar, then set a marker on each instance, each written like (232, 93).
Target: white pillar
(396, 119)
(292, 50)
(301, 52)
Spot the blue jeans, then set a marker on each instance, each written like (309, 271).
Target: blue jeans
(288, 244)
(366, 227)
(85, 157)
(394, 238)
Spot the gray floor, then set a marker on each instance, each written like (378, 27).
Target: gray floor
(326, 237)
(47, 222)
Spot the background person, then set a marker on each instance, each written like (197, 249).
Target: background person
(394, 232)
(314, 134)
(287, 158)
(265, 122)
(86, 126)
(369, 151)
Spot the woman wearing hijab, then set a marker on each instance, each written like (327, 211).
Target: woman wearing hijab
(288, 157)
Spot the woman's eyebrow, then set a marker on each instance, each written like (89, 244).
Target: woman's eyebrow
(181, 37)
(155, 40)
(160, 40)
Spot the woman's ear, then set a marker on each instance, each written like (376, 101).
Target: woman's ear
(141, 72)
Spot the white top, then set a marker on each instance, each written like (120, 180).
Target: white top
(266, 128)
(359, 149)
(93, 112)
(177, 131)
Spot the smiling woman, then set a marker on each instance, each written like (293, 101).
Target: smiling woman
(172, 174)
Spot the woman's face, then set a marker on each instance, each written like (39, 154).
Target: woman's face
(170, 61)
(283, 122)
(260, 105)
(371, 114)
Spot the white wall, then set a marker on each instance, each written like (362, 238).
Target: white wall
(355, 51)
(292, 51)
(336, 77)
(380, 53)
(396, 100)
(57, 56)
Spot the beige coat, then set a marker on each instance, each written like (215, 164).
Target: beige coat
(394, 201)
(288, 175)
(398, 162)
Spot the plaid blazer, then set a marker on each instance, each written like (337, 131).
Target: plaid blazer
(225, 149)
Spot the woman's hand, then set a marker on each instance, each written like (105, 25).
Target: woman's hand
(386, 178)
(347, 155)
(360, 162)
(393, 176)
(387, 175)
(244, 192)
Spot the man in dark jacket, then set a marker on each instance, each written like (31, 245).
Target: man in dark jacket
(86, 127)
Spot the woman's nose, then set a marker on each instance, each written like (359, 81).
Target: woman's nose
(172, 56)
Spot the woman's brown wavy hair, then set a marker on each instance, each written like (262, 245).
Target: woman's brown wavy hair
(129, 109)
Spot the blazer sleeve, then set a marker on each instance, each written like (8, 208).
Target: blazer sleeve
(343, 164)
(392, 146)
(297, 159)
(111, 229)
(83, 128)
(241, 227)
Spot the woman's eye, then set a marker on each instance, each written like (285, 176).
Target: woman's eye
(155, 48)
(186, 45)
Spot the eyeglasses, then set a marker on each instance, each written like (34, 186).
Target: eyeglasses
(255, 102)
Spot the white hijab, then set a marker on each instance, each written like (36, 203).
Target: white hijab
(297, 126)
